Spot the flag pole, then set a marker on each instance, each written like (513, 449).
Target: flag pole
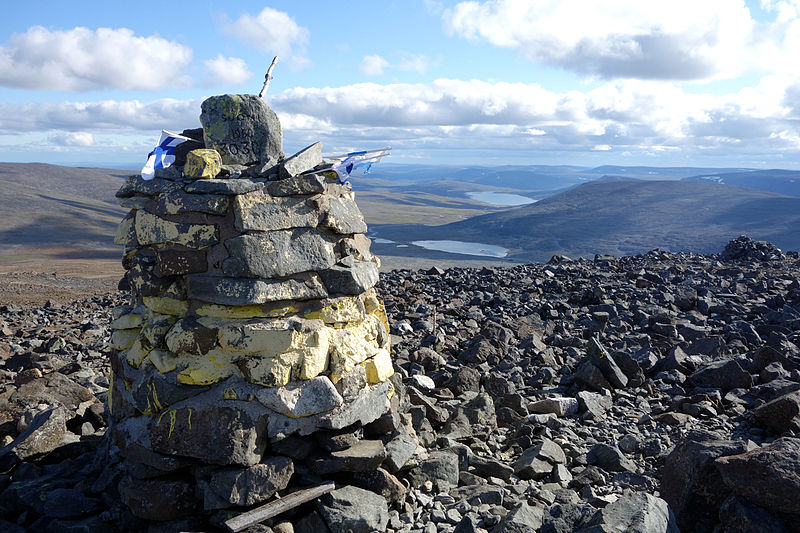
(268, 77)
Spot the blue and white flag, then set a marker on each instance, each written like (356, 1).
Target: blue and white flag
(344, 164)
(163, 155)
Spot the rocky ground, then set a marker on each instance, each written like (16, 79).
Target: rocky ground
(658, 392)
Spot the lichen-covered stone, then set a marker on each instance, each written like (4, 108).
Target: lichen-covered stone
(122, 339)
(136, 354)
(278, 310)
(136, 185)
(258, 212)
(379, 367)
(298, 185)
(278, 253)
(178, 262)
(184, 202)
(341, 310)
(228, 187)
(165, 305)
(242, 128)
(352, 345)
(126, 231)
(214, 366)
(152, 229)
(202, 163)
(190, 336)
(230, 291)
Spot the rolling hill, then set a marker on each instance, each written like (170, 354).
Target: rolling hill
(50, 205)
(625, 217)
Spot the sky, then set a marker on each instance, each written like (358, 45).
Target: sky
(486, 82)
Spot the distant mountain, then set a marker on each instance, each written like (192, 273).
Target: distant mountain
(775, 180)
(48, 205)
(657, 173)
(625, 217)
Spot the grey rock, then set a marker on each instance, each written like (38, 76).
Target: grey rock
(69, 503)
(725, 375)
(343, 216)
(441, 468)
(44, 434)
(781, 414)
(136, 185)
(242, 128)
(634, 512)
(768, 476)
(537, 461)
(363, 456)
(559, 406)
(305, 159)
(278, 253)
(158, 499)
(259, 212)
(691, 483)
(303, 398)
(399, 450)
(600, 358)
(609, 458)
(247, 486)
(523, 518)
(737, 515)
(180, 202)
(353, 510)
(353, 278)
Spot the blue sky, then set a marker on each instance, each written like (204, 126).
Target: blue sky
(628, 82)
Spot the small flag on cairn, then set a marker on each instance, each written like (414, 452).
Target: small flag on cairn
(163, 155)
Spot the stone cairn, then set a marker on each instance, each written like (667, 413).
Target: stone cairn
(255, 350)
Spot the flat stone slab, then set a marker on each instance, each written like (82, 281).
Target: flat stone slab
(298, 185)
(224, 186)
(232, 291)
(183, 202)
(305, 159)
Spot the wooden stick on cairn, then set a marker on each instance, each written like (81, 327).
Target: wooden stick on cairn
(268, 77)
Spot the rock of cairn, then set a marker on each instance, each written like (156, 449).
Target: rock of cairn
(255, 349)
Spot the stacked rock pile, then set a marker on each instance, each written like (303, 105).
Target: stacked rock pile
(253, 324)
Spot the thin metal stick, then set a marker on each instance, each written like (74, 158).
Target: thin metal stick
(268, 77)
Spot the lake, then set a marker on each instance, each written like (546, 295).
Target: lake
(461, 247)
(500, 198)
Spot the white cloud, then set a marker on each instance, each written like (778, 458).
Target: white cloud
(274, 32)
(81, 59)
(475, 118)
(77, 138)
(415, 63)
(227, 70)
(373, 65)
(677, 40)
(124, 116)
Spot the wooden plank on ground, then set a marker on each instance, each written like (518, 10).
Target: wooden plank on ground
(276, 507)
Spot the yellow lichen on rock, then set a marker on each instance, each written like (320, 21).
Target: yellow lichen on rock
(246, 311)
(152, 229)
(212, 367)
(163, 360)
(137, 353)
(315, 354)
(122, 339)
(379, 367)
(203, 163)
(352, 345)
(347, 309)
